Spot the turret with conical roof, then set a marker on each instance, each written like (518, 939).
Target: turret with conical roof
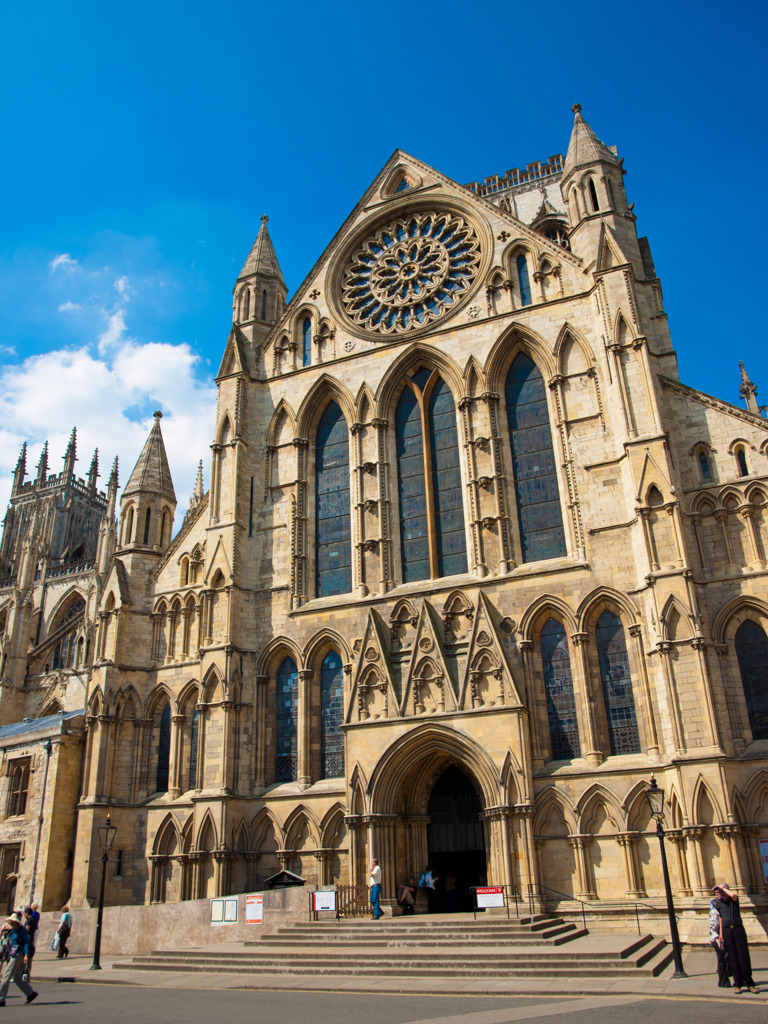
(148, 501)
(260, 291)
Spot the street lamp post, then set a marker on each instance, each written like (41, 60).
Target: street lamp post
(107, 833)
(655, 798)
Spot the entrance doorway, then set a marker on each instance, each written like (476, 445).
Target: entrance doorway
(455, 838)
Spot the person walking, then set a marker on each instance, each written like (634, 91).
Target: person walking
(31, 925)
(733, 937)
(65, 927)
(375, 884)
(18, 950)
(714, 940)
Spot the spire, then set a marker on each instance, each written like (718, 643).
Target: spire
(21, 470)
(93, 472)
(70, 456)
(42, 466)
(262, 259)
(113, 477)
(748, 391)
(585, 148)
(199, 491)
(151, 474)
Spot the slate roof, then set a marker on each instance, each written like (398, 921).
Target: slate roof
(31, 725)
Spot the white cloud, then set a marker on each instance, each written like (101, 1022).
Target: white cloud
(46, 395)
(63, 260)
(69, 307)
(115, 331)
(123, 288)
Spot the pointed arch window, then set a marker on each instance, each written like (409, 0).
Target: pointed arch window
(432, 533)
(332, 716)
(524, 280)
(540, 517)
(741, 462)
(264, 305)
(706, 472)
(593, 195)
(147, 523)
(286, 725)
(617, 685)
(333, 548)
(752, 654)
(164, 750)
(558, 686)
(306, 342)
(194, 735)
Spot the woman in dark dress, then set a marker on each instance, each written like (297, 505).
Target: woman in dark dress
(733, 937)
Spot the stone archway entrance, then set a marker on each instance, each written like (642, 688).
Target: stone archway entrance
(455, 838)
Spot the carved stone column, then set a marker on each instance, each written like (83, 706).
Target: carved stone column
(651, 733)
(694, 835)
(628, 843)
(260, 751)
(730, 835)
(721, 516)
(678, 840)
(178, 722)
(748, 514)
(665, 654)
(305, 728)
(583, 867)
(585, 704)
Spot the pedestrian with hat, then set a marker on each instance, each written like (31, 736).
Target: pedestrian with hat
(733, 937)
(18, 951)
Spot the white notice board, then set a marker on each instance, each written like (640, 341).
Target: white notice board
(490, 896)
(254, 908)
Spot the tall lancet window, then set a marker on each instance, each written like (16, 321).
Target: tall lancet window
(264, 305)
(306, 342)
(540, 519)
(524, 281)
(287, 722)
(432, 533)
(617, 685)
(752, 652)
(558, 685)
(164, 750)
(332, 716)
(193, 741)
(333, 548)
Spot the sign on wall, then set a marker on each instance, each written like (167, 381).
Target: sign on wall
(224, 911)
(254, 908)
(764, 857)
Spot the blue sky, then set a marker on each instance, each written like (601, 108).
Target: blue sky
(143, 141)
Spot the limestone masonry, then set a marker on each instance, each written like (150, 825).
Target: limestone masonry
(473, 566)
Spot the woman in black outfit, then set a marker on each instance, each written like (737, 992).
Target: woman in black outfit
(733, 938)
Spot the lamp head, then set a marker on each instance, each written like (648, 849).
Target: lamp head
(655, 797)
(107, 833)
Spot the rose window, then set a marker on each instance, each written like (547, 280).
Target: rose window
(411, 272)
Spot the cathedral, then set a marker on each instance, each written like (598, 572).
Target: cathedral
(473, 566)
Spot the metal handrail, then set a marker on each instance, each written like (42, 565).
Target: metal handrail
(598, 904)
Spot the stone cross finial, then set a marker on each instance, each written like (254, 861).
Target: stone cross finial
(576, 108)
(748, 390)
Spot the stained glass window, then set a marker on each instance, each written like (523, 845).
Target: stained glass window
(332, 716)
(164, 750)
(446, 476)
(525, 283)
(540, 518)
(558, 685)
(752, 652)
(193, 739)
(429, 548)
(333, 541)
(617, 685)
(403, 186)
(287, 721)
(306, 336)
(706, 474)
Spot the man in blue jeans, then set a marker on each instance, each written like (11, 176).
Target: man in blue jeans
(18, 949)
(375, 884)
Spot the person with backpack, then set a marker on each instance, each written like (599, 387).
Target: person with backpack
(427, 883)
(31, 925)
(18, 951)
(65, 927)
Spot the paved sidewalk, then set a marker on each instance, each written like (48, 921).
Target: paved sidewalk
(699, 965)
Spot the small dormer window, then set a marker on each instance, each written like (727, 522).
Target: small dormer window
(557, 233)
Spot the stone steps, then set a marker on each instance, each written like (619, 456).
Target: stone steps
(527, 948)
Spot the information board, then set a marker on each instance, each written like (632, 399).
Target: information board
(254, 908)
(490, 896)
(764, 857)
(324, 899)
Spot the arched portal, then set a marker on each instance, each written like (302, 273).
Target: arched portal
(455, 839)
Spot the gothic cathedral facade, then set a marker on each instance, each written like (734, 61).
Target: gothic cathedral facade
(473, 566)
